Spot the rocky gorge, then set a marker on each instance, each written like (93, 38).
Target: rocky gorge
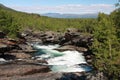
(17, 62)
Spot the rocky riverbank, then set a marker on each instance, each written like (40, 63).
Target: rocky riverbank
(16, 55)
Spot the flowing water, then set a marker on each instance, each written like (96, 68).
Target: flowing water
(67, 61)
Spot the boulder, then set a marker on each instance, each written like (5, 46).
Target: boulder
(88, 57)
(89, 61)
(21, 55)
(25, 68)
(77, 40)
(2, 35)
(65, 48)
(25, 47)
(83, 76)
(37, 76)
(19, 69)
(7, 45)
(5, 48)
(73, 76)
(72, 48)
(72, 30)
(35, 61)
(27, 32)
(50, 37)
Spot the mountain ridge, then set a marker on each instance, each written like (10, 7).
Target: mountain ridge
(58, 15)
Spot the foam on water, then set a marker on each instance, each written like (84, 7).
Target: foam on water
(69, 58)
(75, 68)
(46, 46)
(2, 60)
(67, 61)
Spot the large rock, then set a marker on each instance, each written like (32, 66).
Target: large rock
(2, 35)
(37, 76)
(72, 30)
(77, 38)
(5, 48)
(50, 37)
(27, 32)
(21, 55)
(30, 36)
(72, 48)
(26, 70)
(83, 76)
(25, 47)
(13, 70)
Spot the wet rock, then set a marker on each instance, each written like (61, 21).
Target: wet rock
(50, 37)
(1, 59)
(83, 76)
(65, 48)
(88, 57)
(89, 61)
(24, 51)
(24, 69)
(21, 55)
(2, 35)
(5, 48)
(72, 48)
(25, 47)
(96, 76)
(11, 41)
(12, 70)
(7, 45)
(37, 76)
(75, 37)
(73, 76)
(59, 76)
(31, 36)
(8, 57)
(34, 61)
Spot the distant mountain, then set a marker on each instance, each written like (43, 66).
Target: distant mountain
(58, 15)
(4, 7)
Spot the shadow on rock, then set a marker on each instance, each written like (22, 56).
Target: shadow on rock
(8, 57)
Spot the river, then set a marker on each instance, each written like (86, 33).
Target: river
(66, 61)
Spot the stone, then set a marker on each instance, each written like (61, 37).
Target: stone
(50, 37)
(25, 47)
(10, 70)
(21, 55)
(88, 57)
(2, 35)
(72, 30)
(75, 37)
(89, 61)
(72, 48)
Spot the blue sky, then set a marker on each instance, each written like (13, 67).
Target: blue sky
(61, 6)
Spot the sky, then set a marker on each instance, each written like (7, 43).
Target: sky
(61, 6)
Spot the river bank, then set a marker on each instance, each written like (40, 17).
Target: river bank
(17, 60)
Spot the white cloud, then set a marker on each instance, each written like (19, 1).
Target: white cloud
(70, 8)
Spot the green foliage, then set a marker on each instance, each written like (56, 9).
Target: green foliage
(106, 31)
(37, 22)
(7, 25)
(116, 18)
(106, 46)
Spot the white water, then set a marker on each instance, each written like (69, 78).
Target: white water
(69, 58)
(2, 60)
(66, 61)
(46, 46)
